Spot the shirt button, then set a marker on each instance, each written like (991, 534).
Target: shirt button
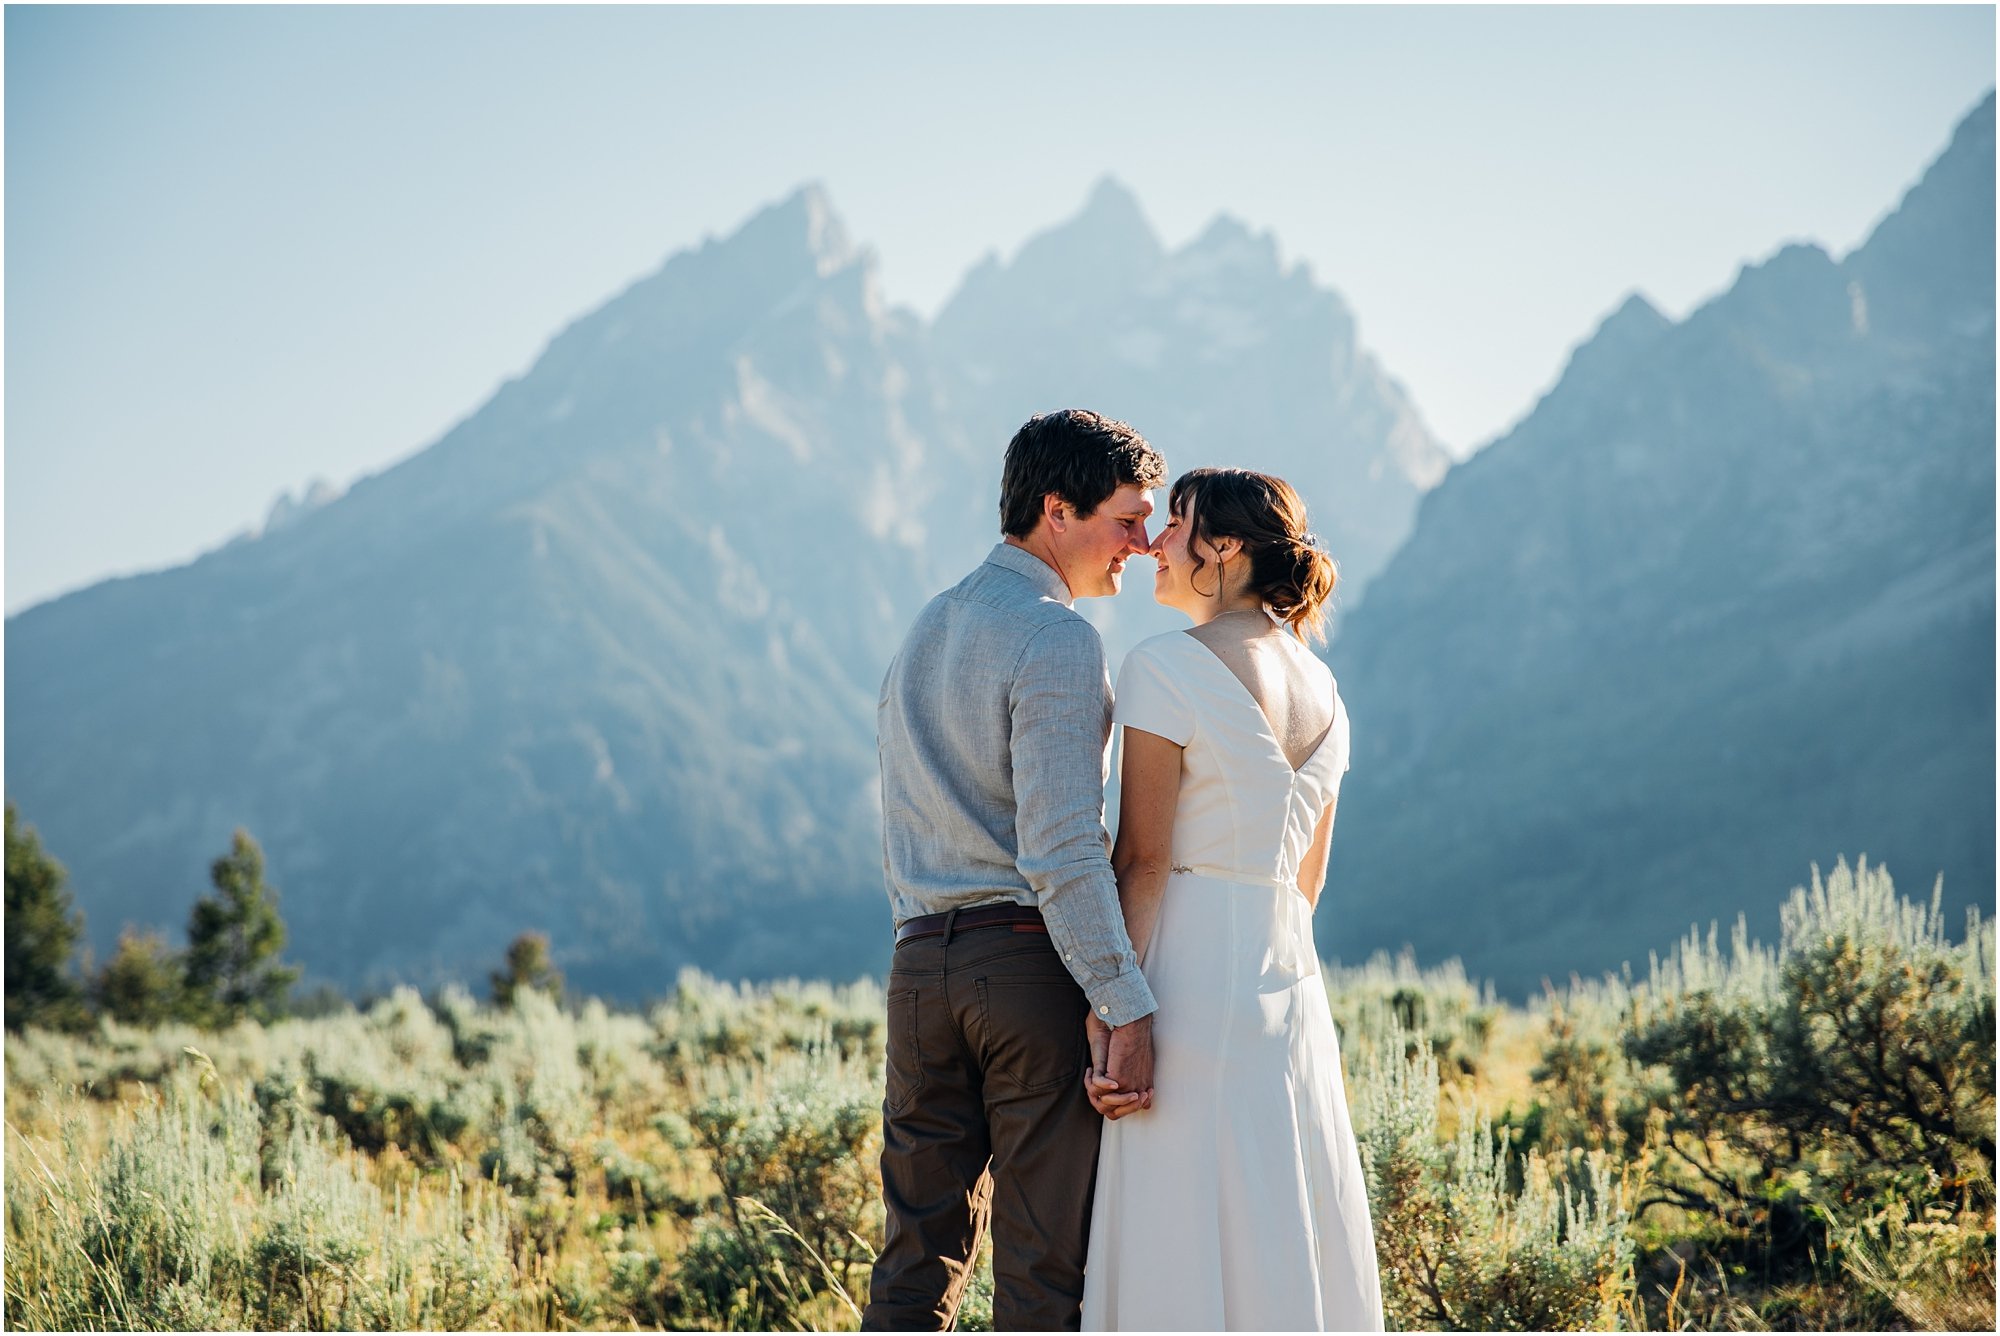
(1069, 955)
(1104, 1011)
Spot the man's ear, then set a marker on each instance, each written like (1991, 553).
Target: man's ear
(1056, 511)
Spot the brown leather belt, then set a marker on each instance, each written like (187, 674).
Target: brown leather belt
(1021, 918)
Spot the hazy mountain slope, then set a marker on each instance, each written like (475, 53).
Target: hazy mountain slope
(601, 661)
(1721, 606)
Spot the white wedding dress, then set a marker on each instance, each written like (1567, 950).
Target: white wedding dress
(1237, 1202)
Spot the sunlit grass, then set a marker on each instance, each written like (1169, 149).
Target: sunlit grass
(440, 1164)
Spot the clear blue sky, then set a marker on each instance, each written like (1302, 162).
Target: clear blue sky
(248, 246)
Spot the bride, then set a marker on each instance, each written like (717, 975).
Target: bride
(1236, 1201)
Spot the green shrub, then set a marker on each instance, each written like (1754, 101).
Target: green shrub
(151, 1234)
(187, 1220)
(386, 1078)
(637, 1188)
(793, 1148)
(1440, 1005)
(1457, 1246)
(1854, 1060)
(169, 1201)
(446, 1266)
(637, 1284)
(314, 1234)
(709, 1020)
(1587, 1091)
(143, 984)
(1931, 1264)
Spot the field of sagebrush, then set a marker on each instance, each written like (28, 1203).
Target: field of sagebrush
(1751, 1137)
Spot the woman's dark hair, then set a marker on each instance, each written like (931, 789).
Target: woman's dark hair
(1289, 570)
(1081, 456)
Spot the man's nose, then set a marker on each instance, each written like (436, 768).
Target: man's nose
(1138, 542)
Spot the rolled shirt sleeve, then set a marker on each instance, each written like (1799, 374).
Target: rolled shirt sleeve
(1061, 722)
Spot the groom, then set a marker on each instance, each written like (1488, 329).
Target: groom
(993, 728)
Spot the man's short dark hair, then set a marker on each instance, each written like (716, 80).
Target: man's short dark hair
(1081, 456)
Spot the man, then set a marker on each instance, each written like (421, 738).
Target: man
(993, 726)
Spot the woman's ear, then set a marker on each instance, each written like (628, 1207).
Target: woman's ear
(1227, 549)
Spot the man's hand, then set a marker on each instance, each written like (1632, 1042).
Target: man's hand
(1099, 1088)
(1099, 1035)
(1120, 1080)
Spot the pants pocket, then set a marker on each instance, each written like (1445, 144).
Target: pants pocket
(1033, 1032)
(906, 1065)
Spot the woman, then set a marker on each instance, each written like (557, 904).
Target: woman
(1235, 1201)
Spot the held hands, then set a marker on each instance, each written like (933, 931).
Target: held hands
(1120, 1079)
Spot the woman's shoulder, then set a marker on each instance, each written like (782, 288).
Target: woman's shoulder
(1152, 691)
(1165, 644)
(1159, 655)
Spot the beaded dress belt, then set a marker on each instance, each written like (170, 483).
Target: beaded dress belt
(1224, 874)
(1021, 918)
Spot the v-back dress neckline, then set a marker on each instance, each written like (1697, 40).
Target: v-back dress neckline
(1264, 718)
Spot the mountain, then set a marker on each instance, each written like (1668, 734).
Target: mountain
(602, 660)
(569, 668)
(1219, 352)
(287, 508)
(1720, 607)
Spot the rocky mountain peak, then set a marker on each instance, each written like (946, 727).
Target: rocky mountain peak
(1099, 255)
(1113, 209)
(1935, 250)
(1634, 313)
(1620, 337)
(802, 227)
(1794, 269)
(287, 510)
(1106, 243)
(1227, 245)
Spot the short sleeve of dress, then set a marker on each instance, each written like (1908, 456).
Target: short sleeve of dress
(1147, 697)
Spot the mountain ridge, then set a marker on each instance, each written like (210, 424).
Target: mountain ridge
(600, 660)
(1719, 607)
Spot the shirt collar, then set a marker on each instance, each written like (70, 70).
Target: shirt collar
(1037, 572)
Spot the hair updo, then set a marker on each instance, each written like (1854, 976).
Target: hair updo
(1289, 571)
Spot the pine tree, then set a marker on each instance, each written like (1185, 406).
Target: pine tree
(142, 983)
(528, 966)
(234, 938)
(42, 928)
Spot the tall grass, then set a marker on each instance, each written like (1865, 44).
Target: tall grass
(439, 1164)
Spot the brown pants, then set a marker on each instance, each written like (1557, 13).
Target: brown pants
(986, 1062)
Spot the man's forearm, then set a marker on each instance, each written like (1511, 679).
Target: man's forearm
(1088, 930)
(1061, 712)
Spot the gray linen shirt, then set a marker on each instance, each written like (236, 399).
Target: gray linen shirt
(994, 729)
